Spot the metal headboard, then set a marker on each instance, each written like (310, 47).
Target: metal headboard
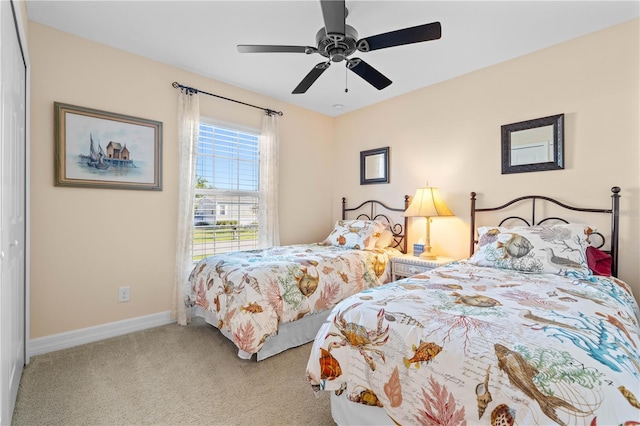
(399, 230)
(614, 211)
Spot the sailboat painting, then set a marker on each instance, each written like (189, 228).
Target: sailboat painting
(96, 157)
(106, 150)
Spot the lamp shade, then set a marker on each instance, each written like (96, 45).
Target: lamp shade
(427, 203)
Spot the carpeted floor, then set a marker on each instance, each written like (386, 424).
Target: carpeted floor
(168, 375)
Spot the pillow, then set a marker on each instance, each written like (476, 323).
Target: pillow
(555, 249)
(599, 262)
(356, 234)
(385, 240)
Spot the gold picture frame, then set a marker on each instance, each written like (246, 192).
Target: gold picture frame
(99, 149)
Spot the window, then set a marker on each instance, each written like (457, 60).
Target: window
(226, 193)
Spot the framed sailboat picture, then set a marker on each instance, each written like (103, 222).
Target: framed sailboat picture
(100, 149)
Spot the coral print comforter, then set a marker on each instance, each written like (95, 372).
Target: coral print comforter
(467, 344)
(252, 292)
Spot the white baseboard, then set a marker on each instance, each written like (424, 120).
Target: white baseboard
(69, 339)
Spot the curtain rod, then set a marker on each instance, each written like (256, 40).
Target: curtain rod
(194, 90)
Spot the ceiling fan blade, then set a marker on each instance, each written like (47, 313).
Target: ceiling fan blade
(311, 77)
(266, 48)
(368, 73)
(417, 34)
(334, 15)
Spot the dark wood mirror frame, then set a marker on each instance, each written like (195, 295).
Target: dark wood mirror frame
(557, 163)
(378, 172)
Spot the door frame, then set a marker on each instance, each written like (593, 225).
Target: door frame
(21, 16)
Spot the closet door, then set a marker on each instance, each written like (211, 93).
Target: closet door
(12, 210)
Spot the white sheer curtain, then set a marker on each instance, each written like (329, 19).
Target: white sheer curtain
(188, 123)
(269, 231)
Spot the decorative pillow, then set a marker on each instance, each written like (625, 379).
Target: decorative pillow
(555, 249)
(599, 262)
(356, 234)
(385, 240)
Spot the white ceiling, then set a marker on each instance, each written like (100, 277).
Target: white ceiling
(201, 36)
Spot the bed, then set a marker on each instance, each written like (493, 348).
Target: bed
(269, 300)
(511, 335)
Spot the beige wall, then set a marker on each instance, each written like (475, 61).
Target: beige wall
(447, 135)
(22, 6)
(77, 261)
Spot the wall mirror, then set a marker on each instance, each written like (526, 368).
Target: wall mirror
(374, 166)
(533, 145)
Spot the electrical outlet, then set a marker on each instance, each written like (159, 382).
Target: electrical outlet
(123, 294)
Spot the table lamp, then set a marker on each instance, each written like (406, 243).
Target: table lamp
(427, 203)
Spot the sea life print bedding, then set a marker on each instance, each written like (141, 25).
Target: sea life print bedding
(467, 344)
(253, 292)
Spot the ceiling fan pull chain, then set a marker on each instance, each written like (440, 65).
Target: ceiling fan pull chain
(346, 75)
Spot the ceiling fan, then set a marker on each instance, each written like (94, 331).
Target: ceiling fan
(337, 41)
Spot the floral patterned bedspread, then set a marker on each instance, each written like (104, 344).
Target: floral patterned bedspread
(254, 291)
(474, 345)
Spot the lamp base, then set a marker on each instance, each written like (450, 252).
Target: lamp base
(428, 255)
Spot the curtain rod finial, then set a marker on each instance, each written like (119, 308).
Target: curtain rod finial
(175, 84)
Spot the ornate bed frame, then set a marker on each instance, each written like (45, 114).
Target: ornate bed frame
(614, 211)
(399, 230)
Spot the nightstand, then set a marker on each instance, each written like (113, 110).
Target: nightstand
(408, 265)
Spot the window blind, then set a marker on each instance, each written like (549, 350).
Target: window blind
(227, 182)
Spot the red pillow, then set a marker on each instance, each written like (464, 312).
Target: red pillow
(599, 262)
